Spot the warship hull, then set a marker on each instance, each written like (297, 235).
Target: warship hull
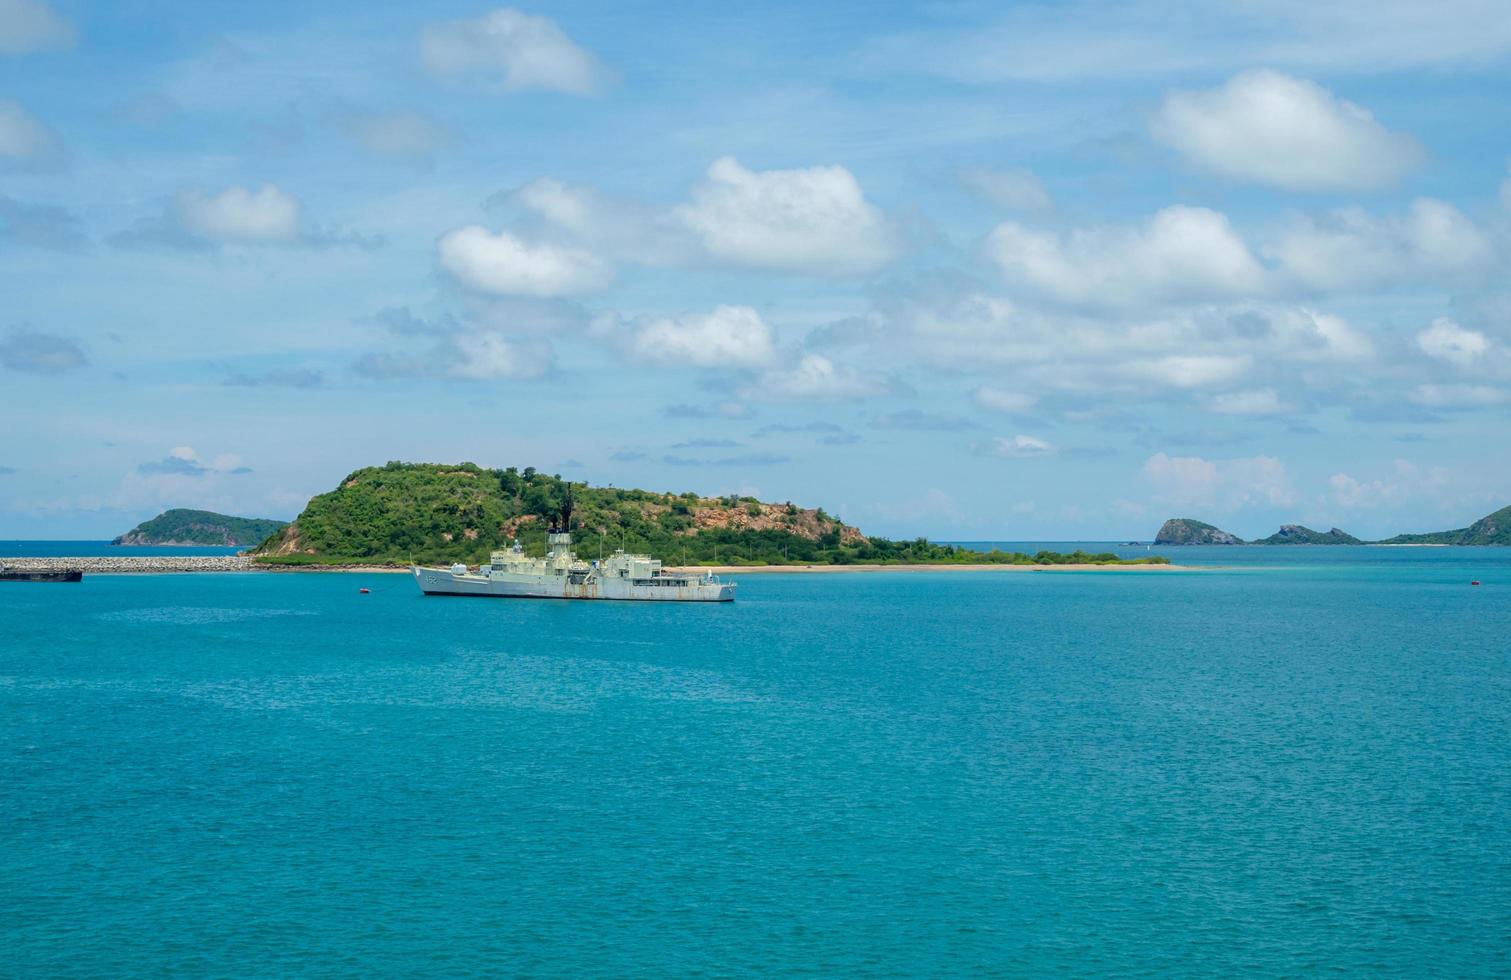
(440, 581)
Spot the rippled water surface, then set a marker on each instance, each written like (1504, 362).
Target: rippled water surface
(1273, 770)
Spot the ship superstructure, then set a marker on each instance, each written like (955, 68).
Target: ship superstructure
(562, 575)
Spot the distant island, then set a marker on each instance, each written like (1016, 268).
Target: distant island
(431, 513)
(1493, 529)
(182, 528)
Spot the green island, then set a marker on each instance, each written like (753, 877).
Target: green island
(183, 528)
(1492, 529)
(431, 513)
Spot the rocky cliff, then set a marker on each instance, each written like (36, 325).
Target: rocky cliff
(1184, 530)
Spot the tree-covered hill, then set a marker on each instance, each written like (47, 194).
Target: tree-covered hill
(1299, 534)
(432, 513)
(1491, 529)
(181, 527)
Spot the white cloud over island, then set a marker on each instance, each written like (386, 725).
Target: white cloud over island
(1271, 128)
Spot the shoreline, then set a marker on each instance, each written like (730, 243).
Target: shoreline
(190, 564)
(944, 567)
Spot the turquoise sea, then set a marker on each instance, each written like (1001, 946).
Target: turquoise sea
(1289, 762)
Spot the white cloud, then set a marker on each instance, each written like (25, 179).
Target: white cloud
(1232, 484)
(1287, 132)
(488, 355)
(730, 336)
(30, 25)
(1016, 190)
(1459, 396)
(1001, 400)
(1447, 341)
(238, 215)
(1020, 447)
(1302, 334)
(624, 230)
(816, 378)
(1351, 249)
(402, 134)
(814, 221)
(506, 265)
(1258, 401)
(1406, 480)
(513, 49)
(1190, 371)
(469, 355)
(1183, 253)
(27, 143)
(572, 208)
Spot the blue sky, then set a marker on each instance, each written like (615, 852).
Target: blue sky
(1032, 271)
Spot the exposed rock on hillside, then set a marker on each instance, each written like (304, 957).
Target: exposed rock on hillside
(1184, 530)
(1297, 534)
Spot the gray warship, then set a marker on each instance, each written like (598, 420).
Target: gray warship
(512, 574)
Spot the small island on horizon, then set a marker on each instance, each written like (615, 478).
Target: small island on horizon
(184, 528)
(1492, 529)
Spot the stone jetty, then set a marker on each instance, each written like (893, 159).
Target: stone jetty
(114, 566)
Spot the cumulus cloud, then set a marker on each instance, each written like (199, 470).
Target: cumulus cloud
(40, 226)
(815, 221)
(184, 461)
(1255, 402)
(816, 378)
(36, 352)
(1001, 400)
(239, 215)
(1181, 254)
(30, 25)
(513, 50)
(1015, 190)
(27, 143)
(1459, 396)
(1447, 341)
(234, 217)
(1405, 481)
(1286, 132)
(1190, 371)
(729, 336)
(1231, 484)
(1020, 447)
(504, 264)
(1352, 249)
(477, 355)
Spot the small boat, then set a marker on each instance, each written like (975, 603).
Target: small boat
(364, 591)
(40, 575)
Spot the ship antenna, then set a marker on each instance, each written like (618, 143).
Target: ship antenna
(566, 510)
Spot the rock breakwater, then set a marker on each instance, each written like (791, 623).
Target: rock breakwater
(115, 566)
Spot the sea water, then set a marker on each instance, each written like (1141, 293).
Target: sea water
(1292, 768)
